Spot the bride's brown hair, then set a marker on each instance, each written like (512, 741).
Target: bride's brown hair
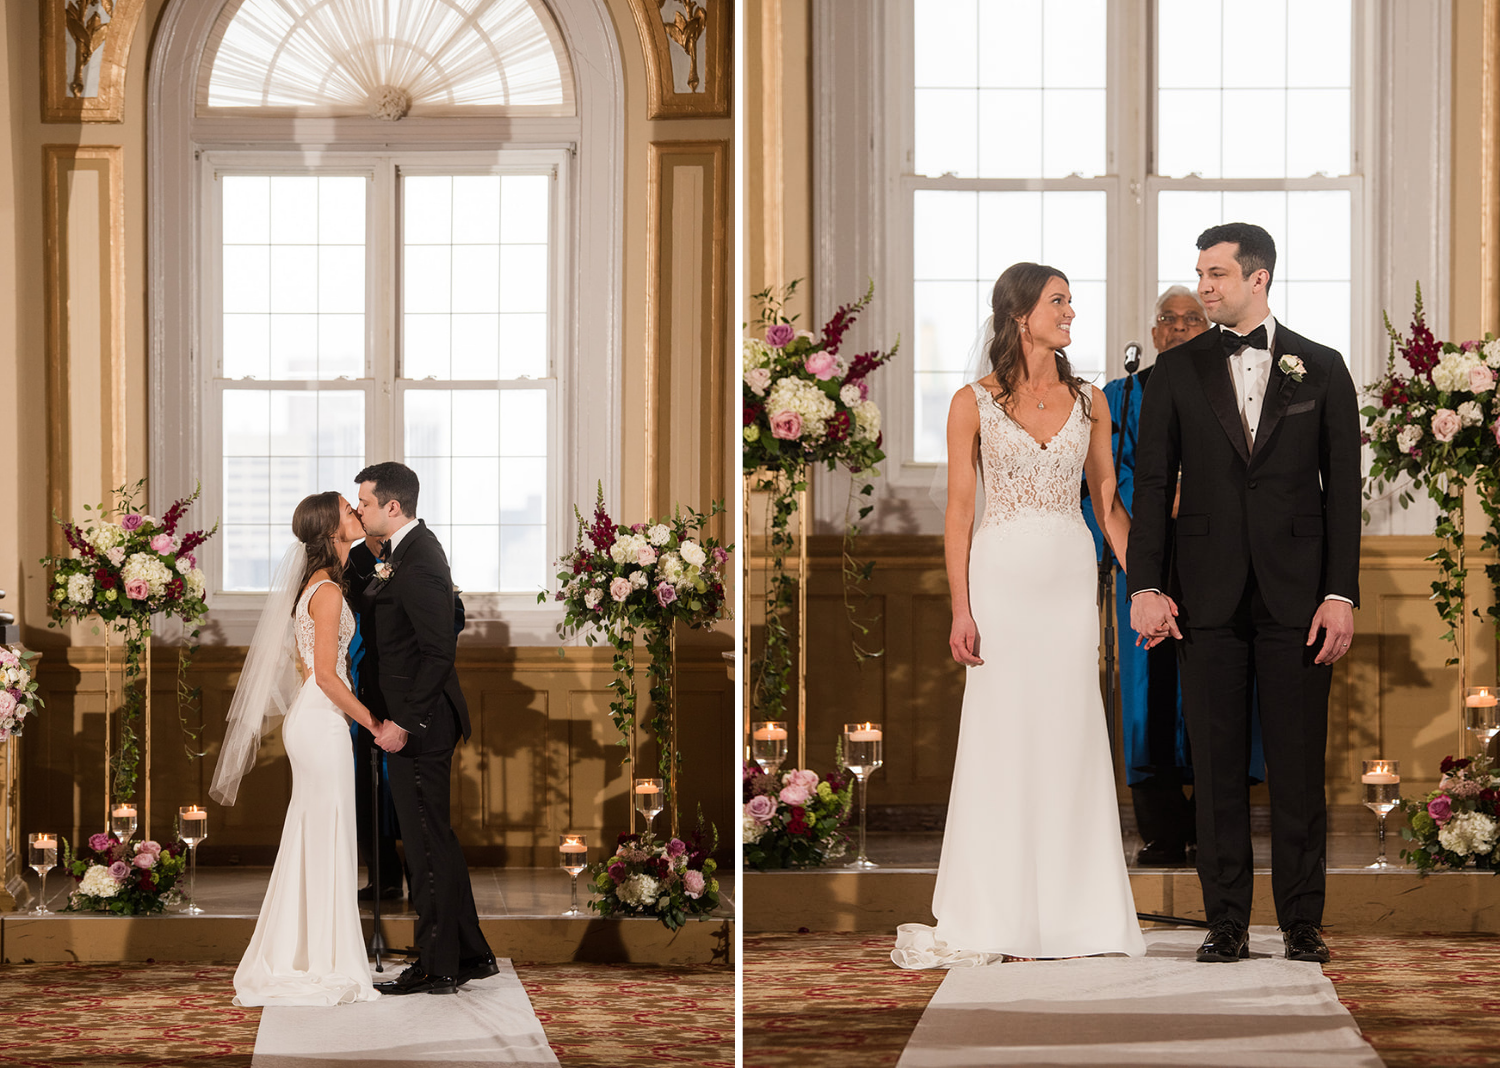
(315, 522)
(1016, 293)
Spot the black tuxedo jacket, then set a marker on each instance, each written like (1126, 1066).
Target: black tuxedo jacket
(1290, 509)
(407, 625)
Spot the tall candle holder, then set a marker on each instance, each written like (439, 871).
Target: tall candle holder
(122, 821)
(864, 752)
(1481, 715)
(572, 856)
(768, 745)
(649, 800)
(192, 828)
(42, 858)
(1382, 783)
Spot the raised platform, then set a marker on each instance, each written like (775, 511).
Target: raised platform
(519, 911)
(900, 891)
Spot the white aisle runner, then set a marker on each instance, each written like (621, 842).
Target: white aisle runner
(488, 1022)
(1161, 1009)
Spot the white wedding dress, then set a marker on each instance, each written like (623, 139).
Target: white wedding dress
(1032, 862)
(308, 948)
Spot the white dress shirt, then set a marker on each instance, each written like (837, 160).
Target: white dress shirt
(399, 533)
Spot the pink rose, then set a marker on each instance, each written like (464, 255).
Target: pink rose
(1481, 379)
(761, 808)
(821, 365)
(118, 871)
(720, 555)
(795, 794)
(100, 842)
(145, 861)
(804, 778)
(616, 871)
(132, 521)
(665, 594)
(162, 543)
(8, 658)
(676, 847)
(137, 590)
(645, 556)
(1445, 423)
(780, 335)
(786, 425)
(1440, 808)
(154, 848)
(619, 588)
(7, 703)
(692, 883)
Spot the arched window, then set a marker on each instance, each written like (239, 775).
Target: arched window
(377, 228)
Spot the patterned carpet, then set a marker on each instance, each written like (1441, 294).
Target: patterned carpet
(1422, 1001)
(167, 1015)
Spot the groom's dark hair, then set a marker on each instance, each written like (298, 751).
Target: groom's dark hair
(393, 481)
(1257, 248)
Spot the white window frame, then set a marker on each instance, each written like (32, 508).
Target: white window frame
(586, 261)
(862, 78)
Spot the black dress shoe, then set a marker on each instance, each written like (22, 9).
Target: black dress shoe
(1228, 940)
(1305, 942)
(1161, 855)
(388, 893)
(479, 968)
(417, 981)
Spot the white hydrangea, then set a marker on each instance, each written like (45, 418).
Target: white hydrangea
(80, 588)
(866, 421)
(807, 400)
(184, 565)
(659, 534)
(1469, 833)
(103, 535)
(850, 395)
(759, 380)
(756, 353)
(693, 553)
(627, 548)
(638, 579)
(639, 890)
(1408, 436)
(98, 882)
(148, 566)
(751, 829)
(671, 570)
(197, 586)
(592, 598)
(1470, 413)
(1452, 371)
(1491, 352)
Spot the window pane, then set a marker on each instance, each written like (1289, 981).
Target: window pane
(278, 447)
(294, 255)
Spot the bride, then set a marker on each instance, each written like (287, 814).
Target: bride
(308, 948)
(1032, 862)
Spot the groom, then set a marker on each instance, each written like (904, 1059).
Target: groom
(1262, 425)
(414, 692)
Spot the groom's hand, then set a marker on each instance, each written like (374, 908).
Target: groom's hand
(1153, 616)
(389, 736)
(1336, 619)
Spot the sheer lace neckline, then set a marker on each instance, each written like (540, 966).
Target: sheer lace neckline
(1038, 442)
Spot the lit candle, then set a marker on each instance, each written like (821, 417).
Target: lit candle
(573, 845)
(770, 734)
(867, 732)
(1482, 699)
(124, 812)
(44, 843)
(647, 788)
(1380, 774)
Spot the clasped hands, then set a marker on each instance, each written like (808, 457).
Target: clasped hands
(389, 736)
(1154, 617)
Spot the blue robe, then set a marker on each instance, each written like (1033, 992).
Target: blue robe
(1141, 763)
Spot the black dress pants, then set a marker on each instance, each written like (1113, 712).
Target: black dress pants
(447, 924)
(1221, 670)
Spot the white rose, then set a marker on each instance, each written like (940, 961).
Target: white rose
(80, 588)
(1470, 413)
(1408, 436)
(98, 882)
(751, 829)
(759, 380)
(116, 555)
(659, 535)
(693, 553)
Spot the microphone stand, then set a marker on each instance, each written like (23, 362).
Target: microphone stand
(377, 940)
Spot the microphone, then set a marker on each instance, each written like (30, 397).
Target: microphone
(1132, 357)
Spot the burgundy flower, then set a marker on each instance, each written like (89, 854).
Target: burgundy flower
(839, 425)
(798, 823)
(103, 578)
(1395, 394)
(617, 871)
(627, 839)
(1449, 764)
(752, 413)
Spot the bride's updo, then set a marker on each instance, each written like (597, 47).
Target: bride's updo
(316, 522)
(1016, 293)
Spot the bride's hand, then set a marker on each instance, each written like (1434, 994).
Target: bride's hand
(963, 641)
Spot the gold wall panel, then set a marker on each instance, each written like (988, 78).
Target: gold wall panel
(541, 760)
(64, 24)
(686, 45)
(1392, 695)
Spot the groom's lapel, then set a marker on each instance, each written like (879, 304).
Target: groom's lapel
(1279, 390)
(1218, 387)
(398, 554)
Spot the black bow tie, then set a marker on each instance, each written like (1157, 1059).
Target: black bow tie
(385, 549)
(1232, 342)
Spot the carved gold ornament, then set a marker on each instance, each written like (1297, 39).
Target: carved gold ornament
(88, 35)
(685, 31)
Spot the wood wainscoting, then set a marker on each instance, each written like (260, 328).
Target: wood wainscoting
(543, 758)
(1392, 695)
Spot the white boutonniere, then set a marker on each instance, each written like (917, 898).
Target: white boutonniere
(1292, 367)
(383, 571)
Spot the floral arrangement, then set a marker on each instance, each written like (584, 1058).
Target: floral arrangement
(125, 567)
(124, 878)
(18, 698)
(1436, 422)
(643, 579)
(793, 820)
(805, 404)
(1458, 821)
(671, 880)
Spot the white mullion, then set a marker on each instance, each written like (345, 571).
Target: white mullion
(382, 433)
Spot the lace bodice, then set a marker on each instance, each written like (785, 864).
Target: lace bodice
(1024, 478)
(306, 630)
